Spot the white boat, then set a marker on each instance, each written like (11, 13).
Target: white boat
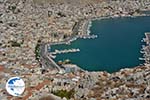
(141, 51)
(141, 59)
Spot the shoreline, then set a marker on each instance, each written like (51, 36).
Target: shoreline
(108, 17)
(86, 30)
(88, 25)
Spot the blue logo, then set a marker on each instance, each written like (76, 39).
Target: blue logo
(15, 86)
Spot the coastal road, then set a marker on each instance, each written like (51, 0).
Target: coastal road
(46, 60)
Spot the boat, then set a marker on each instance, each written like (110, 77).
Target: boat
(141, 58)
(141, 51)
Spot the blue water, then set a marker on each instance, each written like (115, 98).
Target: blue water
(118, 45)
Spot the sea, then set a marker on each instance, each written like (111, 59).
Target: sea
(118, 45)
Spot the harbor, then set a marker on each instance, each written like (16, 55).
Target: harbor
(53, 55)
(110, 51)
(82, 28)
(47, 59)
(31, 31)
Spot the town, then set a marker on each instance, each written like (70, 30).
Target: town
(26, 26)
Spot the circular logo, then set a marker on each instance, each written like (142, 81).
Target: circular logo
(15, 86)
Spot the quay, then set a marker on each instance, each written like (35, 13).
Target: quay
(46, 58)
(146, 49)
(73, 38)
(64, 51)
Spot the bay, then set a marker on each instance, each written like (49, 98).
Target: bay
(118, 45)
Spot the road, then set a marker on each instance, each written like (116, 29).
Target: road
(45, 58)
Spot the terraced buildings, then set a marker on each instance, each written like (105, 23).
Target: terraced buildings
(24, 22)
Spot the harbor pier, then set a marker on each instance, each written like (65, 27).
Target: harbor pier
(88, 36)
(64, 51)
